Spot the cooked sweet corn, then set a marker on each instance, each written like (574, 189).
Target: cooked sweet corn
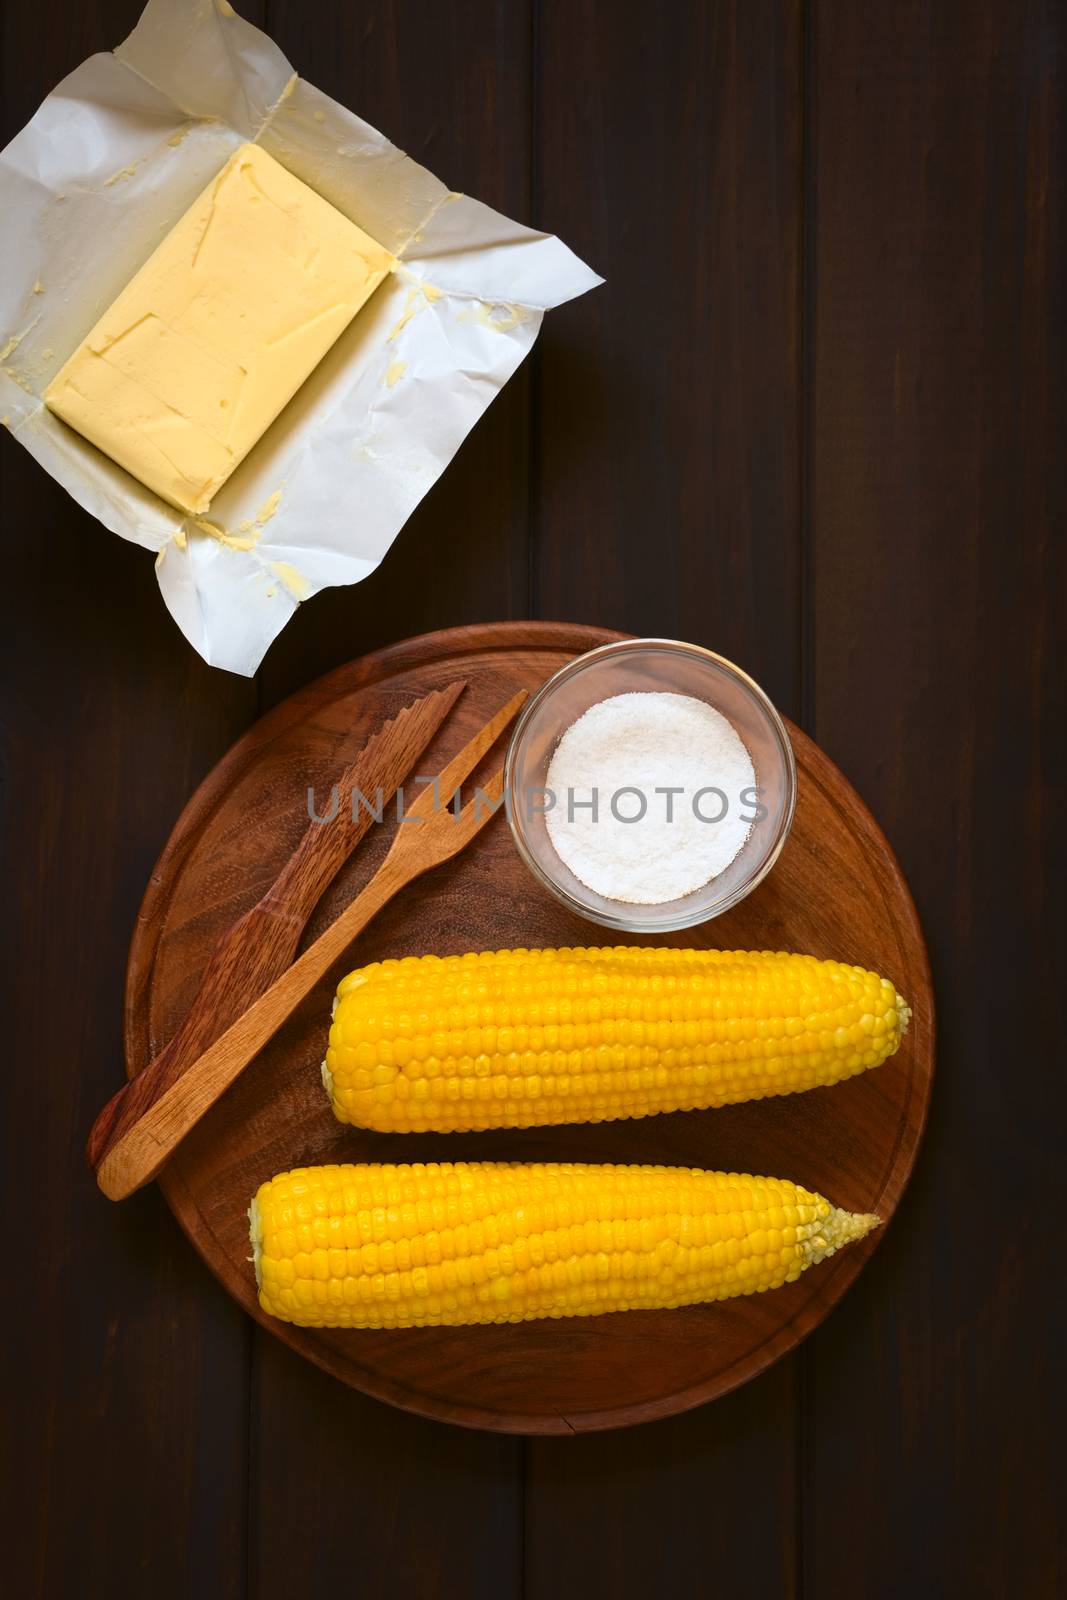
(518, 1038)
(461, 1242)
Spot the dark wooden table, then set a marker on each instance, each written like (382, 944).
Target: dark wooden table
(815, 420)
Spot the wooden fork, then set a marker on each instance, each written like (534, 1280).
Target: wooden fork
(432, 832)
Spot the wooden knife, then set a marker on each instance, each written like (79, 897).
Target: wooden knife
(263, 943)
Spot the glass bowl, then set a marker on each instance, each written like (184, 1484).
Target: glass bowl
(664, 666)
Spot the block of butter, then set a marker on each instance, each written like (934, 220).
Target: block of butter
(217, 331)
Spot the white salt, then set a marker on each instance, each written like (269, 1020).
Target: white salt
(654, 795)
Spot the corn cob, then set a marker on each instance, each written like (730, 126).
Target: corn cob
(448, 1243)
(518, 1038)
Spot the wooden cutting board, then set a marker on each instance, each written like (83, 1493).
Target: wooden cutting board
(836, 891)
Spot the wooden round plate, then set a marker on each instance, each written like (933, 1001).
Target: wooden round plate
(836, 891)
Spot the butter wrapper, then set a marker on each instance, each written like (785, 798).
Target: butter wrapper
(112, 159)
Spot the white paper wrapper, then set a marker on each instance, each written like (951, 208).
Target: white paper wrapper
(109, 163)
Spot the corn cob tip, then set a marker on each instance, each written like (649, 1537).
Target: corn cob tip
(327, 1080)
(903, 1015)
(839, 1228)
(255, 1234)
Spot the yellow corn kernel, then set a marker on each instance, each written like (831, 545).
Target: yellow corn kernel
(538, 1240)
(523, 1038)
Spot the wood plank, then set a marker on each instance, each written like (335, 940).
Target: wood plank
(340, 1483)
(668, 453)
(348, 1493)
(430, 1510)
(125, 1404)
(450, 85)
(667, 496)
(933, 1463)
(706, 1500)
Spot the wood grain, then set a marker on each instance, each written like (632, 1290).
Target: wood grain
(124, 1387)
(667, 484)
(836, 891)
(939, 387)
(451, 84)
(900, 376)
(667, 468)
(429, 1510)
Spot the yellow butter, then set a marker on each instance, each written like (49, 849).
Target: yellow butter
(218, 330)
